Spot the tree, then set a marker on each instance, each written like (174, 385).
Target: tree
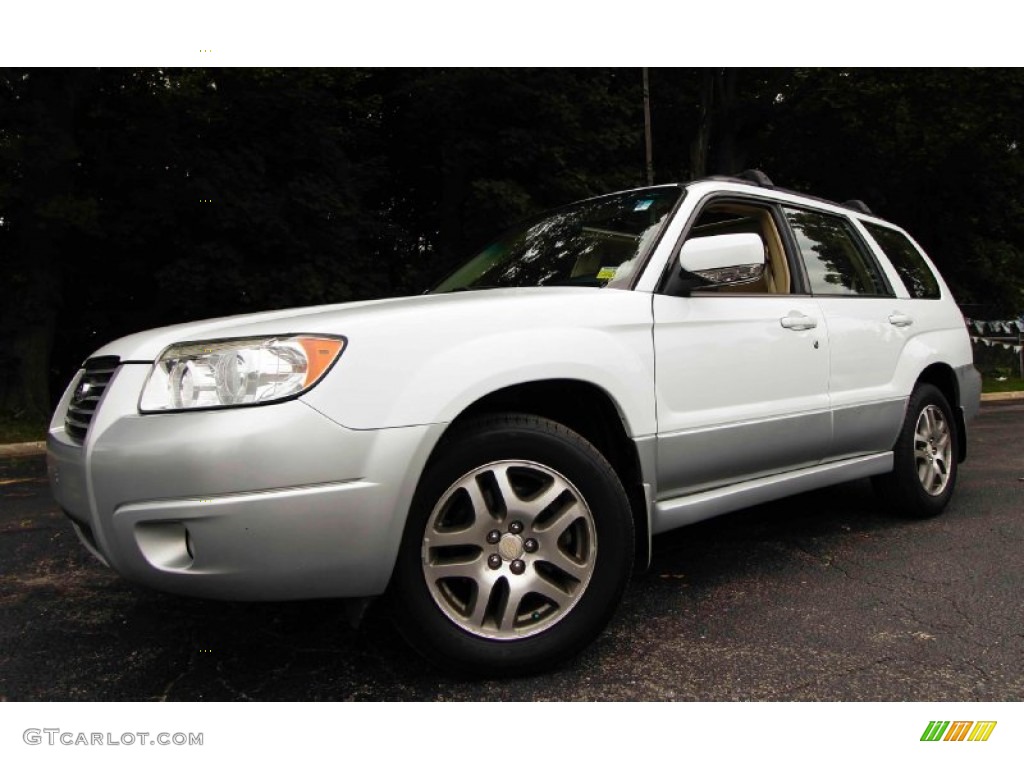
(936, 151)
(136, 197)
(43, 208)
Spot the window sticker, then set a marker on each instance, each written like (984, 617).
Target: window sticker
(642, 205)
(607, 273)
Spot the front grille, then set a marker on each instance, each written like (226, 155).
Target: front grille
(87, 394)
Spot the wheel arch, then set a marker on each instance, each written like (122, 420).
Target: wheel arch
(943, 377)
(590, 411)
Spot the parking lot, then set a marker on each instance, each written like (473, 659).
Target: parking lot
(819, 597)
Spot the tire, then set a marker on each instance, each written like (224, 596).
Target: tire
(517, 549)
(924, 458)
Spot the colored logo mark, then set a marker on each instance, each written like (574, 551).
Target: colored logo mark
(958, 730)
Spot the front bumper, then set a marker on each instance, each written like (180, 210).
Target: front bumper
(272, 502)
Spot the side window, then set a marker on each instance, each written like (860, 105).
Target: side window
(723, 217)
(836, 261)
(916, 276)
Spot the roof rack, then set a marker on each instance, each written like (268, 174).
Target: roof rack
(858, 205)
(759, 178)
(749, 176)
(755, 176)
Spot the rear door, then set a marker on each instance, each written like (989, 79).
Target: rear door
(867, 330)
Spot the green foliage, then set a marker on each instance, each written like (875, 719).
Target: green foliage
(470, 151)
(333, 185)
(1006, 382)
(933, 150)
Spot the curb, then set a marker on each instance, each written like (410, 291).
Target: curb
(23, 449)
(995, 397)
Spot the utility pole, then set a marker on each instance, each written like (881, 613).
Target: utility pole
(647, 129)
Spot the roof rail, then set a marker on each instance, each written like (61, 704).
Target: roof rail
(760, 179)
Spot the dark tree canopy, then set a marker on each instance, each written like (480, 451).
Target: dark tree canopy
(136, 197)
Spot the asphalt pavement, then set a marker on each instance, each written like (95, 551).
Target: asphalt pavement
(818, 597)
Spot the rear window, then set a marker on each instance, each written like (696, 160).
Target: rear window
(916, 276)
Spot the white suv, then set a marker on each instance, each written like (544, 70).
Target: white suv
(496, 454)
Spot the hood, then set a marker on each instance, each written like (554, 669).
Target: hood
(347, 319)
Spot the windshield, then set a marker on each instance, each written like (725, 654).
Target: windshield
(593, 243)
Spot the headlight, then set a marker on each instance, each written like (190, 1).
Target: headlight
(216, 374)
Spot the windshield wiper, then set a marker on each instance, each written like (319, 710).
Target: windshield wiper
(462, 288)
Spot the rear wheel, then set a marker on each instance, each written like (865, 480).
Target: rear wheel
(924, 457)
(518, 547)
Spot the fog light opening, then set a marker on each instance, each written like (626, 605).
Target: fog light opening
(167, 545)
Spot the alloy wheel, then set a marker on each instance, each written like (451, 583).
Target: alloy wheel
(509, 549)
(933, 449)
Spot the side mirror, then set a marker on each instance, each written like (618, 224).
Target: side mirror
(724, 259)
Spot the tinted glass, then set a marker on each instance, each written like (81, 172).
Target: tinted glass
(836, 262)
(916, 276)
(593, 243)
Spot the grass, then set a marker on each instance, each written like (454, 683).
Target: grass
(1010, 384)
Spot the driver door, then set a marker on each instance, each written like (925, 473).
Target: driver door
(741, 372)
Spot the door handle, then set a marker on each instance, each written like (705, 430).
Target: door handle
(900, 320)
(795, 321)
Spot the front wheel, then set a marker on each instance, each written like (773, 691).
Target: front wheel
(518, 547)
(924, 457)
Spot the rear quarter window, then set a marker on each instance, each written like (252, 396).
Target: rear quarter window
(913, 271)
